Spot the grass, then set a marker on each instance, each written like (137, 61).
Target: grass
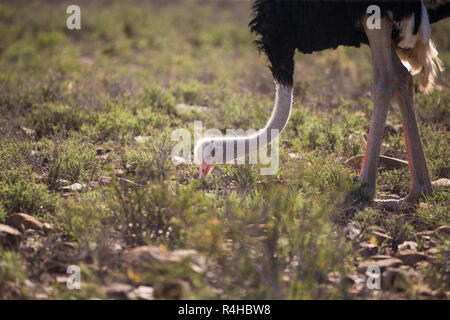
(73, 102)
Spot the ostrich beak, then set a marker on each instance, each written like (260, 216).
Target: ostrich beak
(204, 169)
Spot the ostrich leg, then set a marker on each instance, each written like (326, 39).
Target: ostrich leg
(419, 178)
(392, 83)
(382, 92)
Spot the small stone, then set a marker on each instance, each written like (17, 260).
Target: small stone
(425, 233)
(367, 249)
(408, 245)
(351, 231)
(151, 255)
(23, 221)
(142, 139)
(411, 257)
(441, 183)
(380, 257)
(424, 290)
(295, 156)
(41, 296)
(443, 230)
(142, 293)
(422, 265)
(47, 227)
(433, 251)
(9, 237)
(74, 187)
(382, 264)
(118, 290)
(62, 279)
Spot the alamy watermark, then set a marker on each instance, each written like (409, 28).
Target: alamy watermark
(73, 22)
(373, 274)
(74, 280)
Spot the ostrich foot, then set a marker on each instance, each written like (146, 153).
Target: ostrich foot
(405, 203)
(393, 204)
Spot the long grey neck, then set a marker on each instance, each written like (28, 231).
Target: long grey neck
(277, 122)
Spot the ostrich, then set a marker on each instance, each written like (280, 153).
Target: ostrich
(400, 47)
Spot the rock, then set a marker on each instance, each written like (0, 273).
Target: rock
(150, 255)
(367, 249)
(142, 139)
(380, 257)
(411, 257)
(394, 278)
(351, 231)
(407, 245)
(61, 279)
(422, 265)
(382, 264)
(41, 296)
(47, 227)
(118, 290)
(385, 162)
(142, 293)
(295, 156)
(441, 183)
(425, 233)
(9, 237)
(24, 221)
(74, 187)
(424, 290)
(442, 230)
(433, 251)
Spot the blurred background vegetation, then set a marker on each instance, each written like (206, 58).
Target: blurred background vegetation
(86, 119)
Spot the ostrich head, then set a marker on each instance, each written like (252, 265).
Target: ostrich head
(207, 153)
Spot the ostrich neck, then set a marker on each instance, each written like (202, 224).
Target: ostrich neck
(277, 122)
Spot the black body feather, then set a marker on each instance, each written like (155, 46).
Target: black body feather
(283, 26)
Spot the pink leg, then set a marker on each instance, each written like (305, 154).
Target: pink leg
(419, 178)
(382, 92)
(392, 83)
